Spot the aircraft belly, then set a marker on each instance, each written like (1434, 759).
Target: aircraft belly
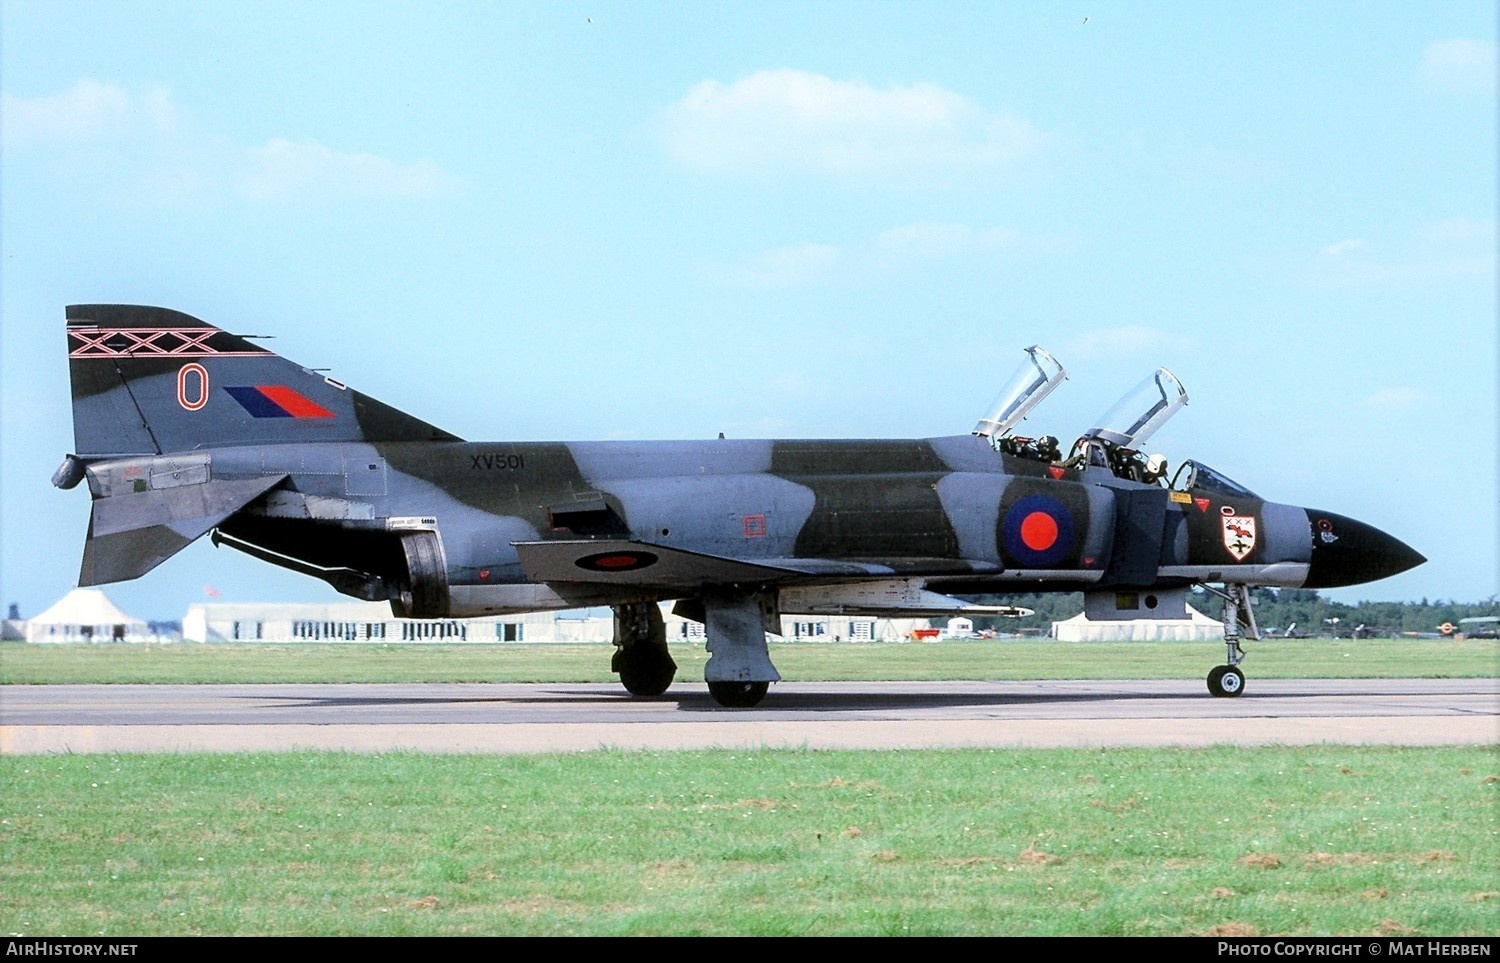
(470, 601)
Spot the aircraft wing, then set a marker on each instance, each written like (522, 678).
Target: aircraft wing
(633, 563)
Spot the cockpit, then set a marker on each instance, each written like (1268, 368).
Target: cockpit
(1114, 443)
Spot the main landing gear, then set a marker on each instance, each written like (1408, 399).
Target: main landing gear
(1228, 681)
(739, 669)
(641, 658)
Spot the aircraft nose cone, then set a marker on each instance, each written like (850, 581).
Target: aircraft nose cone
(1347, 552)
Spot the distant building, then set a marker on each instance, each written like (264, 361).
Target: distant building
(13, 629)
(373, 622)
(960, 628)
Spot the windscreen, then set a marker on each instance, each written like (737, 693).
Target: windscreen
(1194, 474)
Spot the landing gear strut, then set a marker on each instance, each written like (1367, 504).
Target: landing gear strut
(641, 657)
(739, 669)
(1228, 680)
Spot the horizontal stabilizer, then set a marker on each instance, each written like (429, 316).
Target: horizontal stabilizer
(133, 532)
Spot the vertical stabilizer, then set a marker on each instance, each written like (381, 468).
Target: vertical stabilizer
(149, 381)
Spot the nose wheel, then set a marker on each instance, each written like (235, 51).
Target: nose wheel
(1226, 681)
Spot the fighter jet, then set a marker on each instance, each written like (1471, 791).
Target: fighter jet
(183, 429)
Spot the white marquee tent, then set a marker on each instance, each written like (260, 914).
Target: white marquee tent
(1196, 627)
(85, 615)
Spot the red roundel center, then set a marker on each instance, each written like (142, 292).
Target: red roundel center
(1039, 531)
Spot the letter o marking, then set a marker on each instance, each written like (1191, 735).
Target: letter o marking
(198, 397)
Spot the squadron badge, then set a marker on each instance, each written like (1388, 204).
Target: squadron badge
(1239, 535)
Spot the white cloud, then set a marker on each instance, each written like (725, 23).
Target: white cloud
(138, 146)
(1396, 399)
(783, 267)
(79, 114)
(1454, 249)
(285, 170)
(1457, 232)
(793, 122)
(929, 241)
(1123, 342)
(1461, 65)
(1340, 248)
(89, 110)
(894, 250)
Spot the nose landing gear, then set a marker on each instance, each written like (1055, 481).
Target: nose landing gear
(1228, 681)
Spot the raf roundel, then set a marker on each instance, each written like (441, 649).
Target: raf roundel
(1038, 531)
(616, 561)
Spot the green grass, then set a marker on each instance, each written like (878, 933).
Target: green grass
(1270, 841)
(806, 662)
(1285, 841)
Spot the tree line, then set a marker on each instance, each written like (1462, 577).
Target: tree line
(1303, 611)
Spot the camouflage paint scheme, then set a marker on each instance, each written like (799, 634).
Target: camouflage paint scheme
(182, 429)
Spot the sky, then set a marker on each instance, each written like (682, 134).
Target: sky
(634, 220)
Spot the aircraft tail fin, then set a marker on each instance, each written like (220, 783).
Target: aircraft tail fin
(149, 381)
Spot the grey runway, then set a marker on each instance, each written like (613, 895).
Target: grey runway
(516, 718)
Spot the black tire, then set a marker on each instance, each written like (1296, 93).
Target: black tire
(1226, 682)
(648, 680)
(425, 594)
(738, 695)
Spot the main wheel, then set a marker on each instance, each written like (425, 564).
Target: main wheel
(648, 680)
(1226, 681)
(738, 695)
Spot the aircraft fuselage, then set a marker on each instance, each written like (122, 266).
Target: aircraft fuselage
(949, 510)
